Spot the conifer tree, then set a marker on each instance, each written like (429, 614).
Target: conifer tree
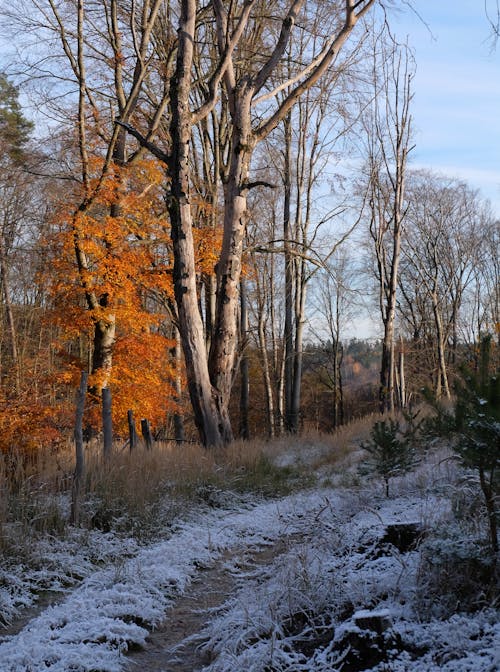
(15, 129)
(477, 417)
(391, 452)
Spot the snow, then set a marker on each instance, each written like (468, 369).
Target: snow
(92, 627)
(334, 571)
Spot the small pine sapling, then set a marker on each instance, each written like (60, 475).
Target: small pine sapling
(391, 451)
(477, 417)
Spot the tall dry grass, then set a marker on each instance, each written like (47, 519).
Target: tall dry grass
(133, 491)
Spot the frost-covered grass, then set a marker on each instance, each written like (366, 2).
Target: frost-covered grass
(300, 610)
(130, 500)
(52, 567)
(112, 608)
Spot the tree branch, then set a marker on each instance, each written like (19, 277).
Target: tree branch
(258, 183)
(144, 142)
(216, 78)
(351, 18)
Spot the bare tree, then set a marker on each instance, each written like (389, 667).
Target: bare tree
(480, 295)
(210, 378)
(306, 247)
(266, 302)
(440, 252)
(335, 304)
(388, 129)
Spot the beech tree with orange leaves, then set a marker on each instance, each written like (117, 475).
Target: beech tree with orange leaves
(127, 264)
(107, 66)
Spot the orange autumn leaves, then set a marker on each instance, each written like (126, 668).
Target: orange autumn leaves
(124, 239)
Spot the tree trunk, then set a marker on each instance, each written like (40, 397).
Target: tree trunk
(102, 351)
(338, 392)
(402, 378)
(244, 430)
(146, 433)
(341, 387)
(289, 277)
(179, 432)
(107, 423)
(386, 391)
(132, 432)
(210, 417)
(222, 351)
(268, 388)
(442, 386)
(11, 324)
(210, 287)
(388, 365)
(277, 387)
(490, 500)
(294, 410)
(79, 473)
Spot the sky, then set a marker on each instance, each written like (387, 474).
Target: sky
(456, 106)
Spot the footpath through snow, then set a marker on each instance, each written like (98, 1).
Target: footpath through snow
(293, 610)
(95, 624)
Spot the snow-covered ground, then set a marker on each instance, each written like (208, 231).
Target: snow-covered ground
(305, 609)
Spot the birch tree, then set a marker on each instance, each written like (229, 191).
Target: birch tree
(389, 132)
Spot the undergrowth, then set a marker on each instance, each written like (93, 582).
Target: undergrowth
(141, 492)
(141, 495)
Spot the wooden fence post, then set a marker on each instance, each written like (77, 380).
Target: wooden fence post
(107, 423)
(79, 473)
(131, 430)
(146, 433)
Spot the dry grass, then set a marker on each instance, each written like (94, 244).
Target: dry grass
(342, 448)
(132, 491)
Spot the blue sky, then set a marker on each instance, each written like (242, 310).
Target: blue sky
(457, 91)
(456, 106)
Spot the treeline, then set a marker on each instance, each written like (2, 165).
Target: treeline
(185, 227)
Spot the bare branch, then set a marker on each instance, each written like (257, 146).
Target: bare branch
(144, 142)
(216, 78)
(258, 183)
(279, 50)
(351, 18)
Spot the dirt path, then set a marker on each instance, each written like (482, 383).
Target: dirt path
(173, 646)
(44, 601)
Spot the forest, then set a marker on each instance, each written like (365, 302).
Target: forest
(207, 459)
(206, 204)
